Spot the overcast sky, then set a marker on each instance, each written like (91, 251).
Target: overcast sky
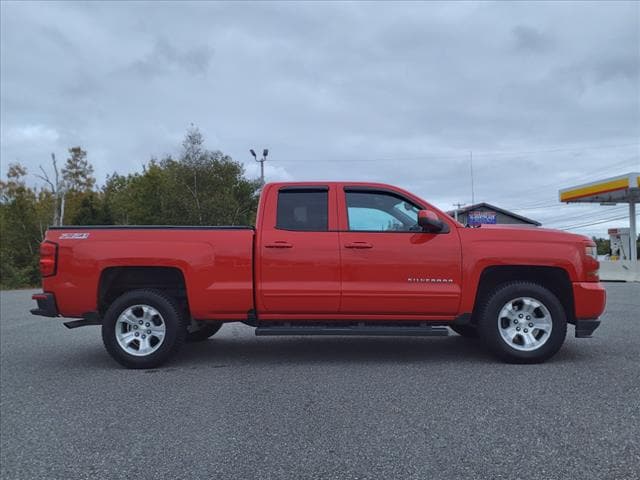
(546, 95)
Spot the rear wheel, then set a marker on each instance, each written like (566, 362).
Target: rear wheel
(142, 329)
(523, 322)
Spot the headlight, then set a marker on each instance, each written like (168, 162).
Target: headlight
(591, 251)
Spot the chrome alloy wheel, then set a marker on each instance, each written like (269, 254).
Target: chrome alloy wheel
(525, 324)
(140, 330)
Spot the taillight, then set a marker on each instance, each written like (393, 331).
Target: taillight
(48, 258)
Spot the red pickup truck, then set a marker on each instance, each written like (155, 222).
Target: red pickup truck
(325, 258)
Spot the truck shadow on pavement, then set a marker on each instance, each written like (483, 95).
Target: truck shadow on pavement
(230, 352)
(331, 350)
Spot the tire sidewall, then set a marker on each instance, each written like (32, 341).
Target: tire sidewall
(174, 335)
(489, 329)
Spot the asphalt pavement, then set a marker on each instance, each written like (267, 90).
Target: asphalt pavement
(246, 407)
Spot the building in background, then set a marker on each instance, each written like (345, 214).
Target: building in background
(485, 213)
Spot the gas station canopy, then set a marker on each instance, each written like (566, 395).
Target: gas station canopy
(620, 189)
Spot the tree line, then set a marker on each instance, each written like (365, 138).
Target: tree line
(197, 187)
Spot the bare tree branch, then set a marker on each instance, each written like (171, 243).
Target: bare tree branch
(57, 189)
(45, 177)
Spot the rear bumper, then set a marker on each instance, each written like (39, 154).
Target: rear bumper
(46, 305)
(589, 299)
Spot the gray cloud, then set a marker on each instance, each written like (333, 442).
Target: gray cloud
(164, 57)
(397, 92)
(528, 39)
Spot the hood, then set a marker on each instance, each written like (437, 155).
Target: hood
(525, 232)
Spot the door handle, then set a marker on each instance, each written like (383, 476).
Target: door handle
(279, 244)
(358, 245)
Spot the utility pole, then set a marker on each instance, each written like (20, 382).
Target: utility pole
(458, 206)
(473, 196)
(265, 152)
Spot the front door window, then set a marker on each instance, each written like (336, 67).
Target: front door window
(381, 212)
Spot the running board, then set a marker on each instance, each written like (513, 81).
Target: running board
(361, 330)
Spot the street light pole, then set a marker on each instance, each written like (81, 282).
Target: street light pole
(265, 152)
(473, 195)
(633, 233)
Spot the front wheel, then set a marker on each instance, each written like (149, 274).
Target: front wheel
(523, 322)
(142, 329)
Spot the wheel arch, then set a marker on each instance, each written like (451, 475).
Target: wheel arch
(555, 279)
(114, 281)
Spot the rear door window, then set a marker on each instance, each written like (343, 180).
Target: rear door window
(304, 210)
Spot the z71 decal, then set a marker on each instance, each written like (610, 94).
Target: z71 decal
(73, 236)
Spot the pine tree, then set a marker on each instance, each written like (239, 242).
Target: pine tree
(78, 172)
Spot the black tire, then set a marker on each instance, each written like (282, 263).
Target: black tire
(206, 330)
(174, 335)
(467, 331)
(489, 325)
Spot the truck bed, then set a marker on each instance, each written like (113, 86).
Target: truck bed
(215, 263)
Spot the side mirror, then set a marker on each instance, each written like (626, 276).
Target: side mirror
(430, 222)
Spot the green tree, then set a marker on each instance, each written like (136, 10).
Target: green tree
(116, 198)
(78, 183)
(78, 172)
(91, 211)
(19, 233)
(150, 196)
(602, 245)
(200, 187)
(209, 187)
